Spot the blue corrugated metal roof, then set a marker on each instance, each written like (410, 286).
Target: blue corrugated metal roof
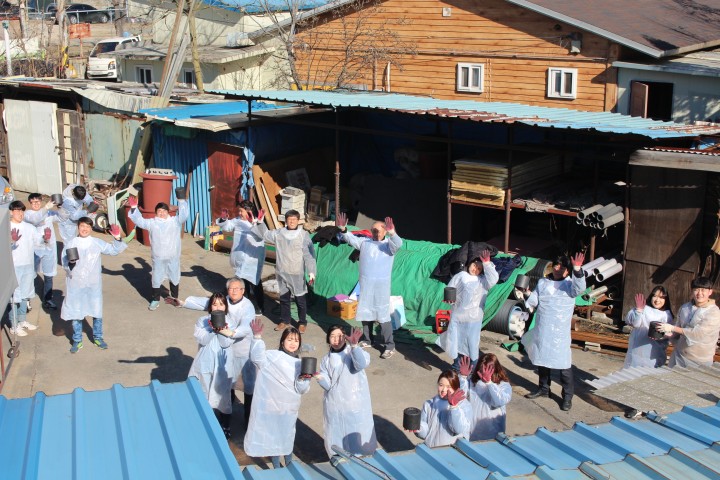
(253, 6)
(483, 111)
(156, 431)
(172, 114)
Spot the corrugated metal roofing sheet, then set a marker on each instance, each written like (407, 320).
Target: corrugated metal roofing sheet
(172, 114)
(156, 431)
(483, 111)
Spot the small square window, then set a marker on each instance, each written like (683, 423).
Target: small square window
(562, 83)
(470, 77)
(187, 78)
(143, 74)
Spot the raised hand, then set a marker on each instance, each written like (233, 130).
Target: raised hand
(389, 225)
(486, 372)
(47, 234)
(456, 397)
(15, 235)
(261, 215)
(114, 230)
(250, 217)
(257, 327)
(578, 260)
(311, 280)
(639, 301)
(465, 366)
(341, 221)
(132, 202)
(354, 337)
(485, 256)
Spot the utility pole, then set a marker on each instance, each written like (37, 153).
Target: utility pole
(194, 45)
(60, 17)
(162, 102)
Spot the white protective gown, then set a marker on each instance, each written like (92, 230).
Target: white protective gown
(488, 401)
(463, 333)
(347, 408)
(441, 425)
(642, 350)
(701, 326)
(238, 318)
(84, 295)
(213, 365)
(45, 258)
(164, 243)
(295, 256)
(248, 249)
(71, 211)
(548, 344)
(376, 263)
(23, 255)
(274, 412)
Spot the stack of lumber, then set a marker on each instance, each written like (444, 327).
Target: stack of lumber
(484, 180)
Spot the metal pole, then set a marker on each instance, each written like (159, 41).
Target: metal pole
(337, 163)
(508, 192)
(449, 178)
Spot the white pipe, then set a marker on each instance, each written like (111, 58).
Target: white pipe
(617, 218)
(615, 269)
(584, 213)
(610, 213)
(609, 206)
(590, 265)
(595, 293)
(604, 266)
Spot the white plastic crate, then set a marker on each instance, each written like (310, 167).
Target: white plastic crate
(292, 199)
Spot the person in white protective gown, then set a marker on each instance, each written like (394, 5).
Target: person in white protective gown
(376, 262)
(239, 315)
(248, 249)
(696, 329)
(213, 364)
(548, 344)
(42, 217)
(83, 278)
(347, 409)
(642, 350)
(278, 390)
(73, 208)
(462, 337)
(489, 391)
(25, 240)
(447, 416)
(165, 245)
(295, 256)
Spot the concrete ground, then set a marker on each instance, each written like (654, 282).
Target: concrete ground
(159, 345)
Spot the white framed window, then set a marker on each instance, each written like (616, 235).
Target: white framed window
(187, 77)
(470, 77)
(562, 82)
(143, 74)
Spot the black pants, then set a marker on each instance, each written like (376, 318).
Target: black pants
(386, 331)
(174, 292)
(247, 405)
(301, 303)
(255, 294)
(566, 380)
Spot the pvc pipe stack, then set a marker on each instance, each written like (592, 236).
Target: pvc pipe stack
(604, 275)
(610, 221)
(595, 293)
(604, 266)
(588, 267)
(583, 215)
(601, 216)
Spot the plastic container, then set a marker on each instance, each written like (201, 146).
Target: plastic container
(411, 419)
(155, 189)
(292, 199)
(72, 254)
(442, 320)
(308, 366)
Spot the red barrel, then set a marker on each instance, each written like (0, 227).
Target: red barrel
(156, 189)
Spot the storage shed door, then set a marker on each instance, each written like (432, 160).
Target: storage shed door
(225, 171)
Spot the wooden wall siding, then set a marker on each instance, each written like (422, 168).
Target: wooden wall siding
(515, 45)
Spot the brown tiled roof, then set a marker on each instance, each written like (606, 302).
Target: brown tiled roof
(659, 28)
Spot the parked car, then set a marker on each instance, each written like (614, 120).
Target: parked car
(81, 13)
(8, 10)
(102, 64)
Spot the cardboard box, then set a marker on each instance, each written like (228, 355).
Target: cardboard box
(212, 235)
(344, 310)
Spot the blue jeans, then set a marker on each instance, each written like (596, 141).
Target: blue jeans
(276, 460)
(97, 329)
(18, 313)
(47, 288)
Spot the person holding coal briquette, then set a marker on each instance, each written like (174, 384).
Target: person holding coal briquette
(489, 392)
(642, 350)
(76, 205)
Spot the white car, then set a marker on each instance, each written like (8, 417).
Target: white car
(102, 64)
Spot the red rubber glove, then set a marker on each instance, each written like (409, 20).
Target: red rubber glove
(261, 215)
(465, 366)
(389, 225)
(485, 256)
(486, 372)
(354, 336)
(250, 217)
(132, 202)
(639, 301)
(47, 234)
(341, 221)
(257, 327)
(456, 397)
(15, 235)
(578, 260)
(114, 230)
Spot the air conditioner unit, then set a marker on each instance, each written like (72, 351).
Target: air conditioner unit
(238, 39)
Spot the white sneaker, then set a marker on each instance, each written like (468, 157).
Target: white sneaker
(18, 331)
(27, 325)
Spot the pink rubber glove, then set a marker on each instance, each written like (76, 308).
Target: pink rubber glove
(465, 366)
(341, 221)
(261, 215)
(578, 260)
(456, 397)
(132, 202)
(15, 235)
(486, 372)
(250, 217)
(639, 301)
(173, 301)
(47, 234)
(354, 337)
(389, 225)
(114, 230)
(257, 327)
(485, 256)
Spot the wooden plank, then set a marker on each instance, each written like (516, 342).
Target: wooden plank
(264, 204)
(271, 210)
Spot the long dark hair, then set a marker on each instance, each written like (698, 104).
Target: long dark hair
(286, 333)
(217, 296)
(498, 375)
(661, 289)
(452, 377)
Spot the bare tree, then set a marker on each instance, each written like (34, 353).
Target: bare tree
(337, 48)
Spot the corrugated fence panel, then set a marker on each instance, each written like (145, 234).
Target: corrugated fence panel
(105, 147)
